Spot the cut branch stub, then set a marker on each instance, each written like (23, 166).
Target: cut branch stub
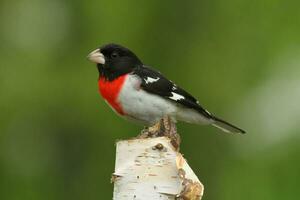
(150, 169)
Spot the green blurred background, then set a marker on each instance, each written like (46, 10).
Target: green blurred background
(240, 58)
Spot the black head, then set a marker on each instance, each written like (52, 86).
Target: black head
(114, 60)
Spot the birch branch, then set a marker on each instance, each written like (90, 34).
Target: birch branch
(150, 167)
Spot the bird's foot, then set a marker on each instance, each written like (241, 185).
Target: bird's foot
(144, 133)
(170, 131)
(164, 127)
(156, 130)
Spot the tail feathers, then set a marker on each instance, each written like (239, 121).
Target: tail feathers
(225, 126)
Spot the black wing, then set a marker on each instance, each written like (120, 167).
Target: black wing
(154, 82)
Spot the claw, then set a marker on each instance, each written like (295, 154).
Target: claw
(164, 127)
(156, 129)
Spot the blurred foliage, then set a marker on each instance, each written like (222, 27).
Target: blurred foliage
(240, 58)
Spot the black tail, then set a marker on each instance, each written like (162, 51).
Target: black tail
(225, 126)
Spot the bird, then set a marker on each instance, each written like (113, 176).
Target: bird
(140, 93)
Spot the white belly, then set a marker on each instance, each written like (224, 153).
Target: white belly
(143, 106)
(149, 108)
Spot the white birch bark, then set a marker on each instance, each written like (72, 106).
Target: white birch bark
(152, 169)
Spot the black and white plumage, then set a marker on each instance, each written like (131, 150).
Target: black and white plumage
(154, 82)
(144, 94)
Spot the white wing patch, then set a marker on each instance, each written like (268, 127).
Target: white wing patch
(176, 96)
(151, 80)
(207, 111)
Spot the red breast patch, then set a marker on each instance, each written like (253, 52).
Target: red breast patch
(109, 90)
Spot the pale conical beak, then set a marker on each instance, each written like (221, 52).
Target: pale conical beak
(97, 57)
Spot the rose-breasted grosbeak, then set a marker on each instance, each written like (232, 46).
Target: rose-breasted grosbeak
(142, 94)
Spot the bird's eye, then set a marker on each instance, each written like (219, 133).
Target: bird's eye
(114, 55)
